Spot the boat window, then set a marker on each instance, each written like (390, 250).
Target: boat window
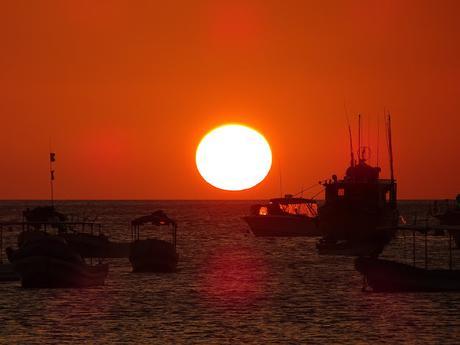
(387, 196)
(263, 211)
(309, 210)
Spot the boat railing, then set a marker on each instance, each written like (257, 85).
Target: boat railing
(135, 232)
(45, 226)
(424, 229)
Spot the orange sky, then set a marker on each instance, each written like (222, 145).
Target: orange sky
(127, 91)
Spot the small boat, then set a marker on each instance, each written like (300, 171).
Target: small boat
(288, 216)
(390, 276)
(151, 254)
(49, 262)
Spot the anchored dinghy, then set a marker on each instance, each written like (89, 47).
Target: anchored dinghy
(151, 254)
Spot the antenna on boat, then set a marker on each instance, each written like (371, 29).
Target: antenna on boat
(281, 184)
(369, 134)
(352, 157)
(52, 160)
(378, 138)
(390, 147)
(359, 137)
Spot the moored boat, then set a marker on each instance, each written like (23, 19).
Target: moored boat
(151, 254)
(288, 216)
(390, 276)
(49, 262)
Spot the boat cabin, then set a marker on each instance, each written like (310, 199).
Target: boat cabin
(361, 186)
(288, 205)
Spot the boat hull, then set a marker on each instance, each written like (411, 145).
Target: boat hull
(282, 225)
(389, 276)
(49, 272)
(345, 222)
(153, 255)
(450, 217)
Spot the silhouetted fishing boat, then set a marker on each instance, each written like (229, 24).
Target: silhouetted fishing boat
(151, 254)
(49, 262)
(357, 206)
(286, 216)
(390, 276)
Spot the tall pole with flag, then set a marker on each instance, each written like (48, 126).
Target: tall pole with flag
(52, 160)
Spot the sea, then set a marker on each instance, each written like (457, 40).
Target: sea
(230, 287)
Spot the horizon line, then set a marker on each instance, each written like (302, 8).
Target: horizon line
(58, 200)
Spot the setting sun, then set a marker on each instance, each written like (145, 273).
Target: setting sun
(233, 157)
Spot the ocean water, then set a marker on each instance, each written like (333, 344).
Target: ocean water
(230, 288)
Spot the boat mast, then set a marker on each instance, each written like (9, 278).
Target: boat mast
(390, 149)
(352, 157)
(359, 137)
(378, 139)
(52, 160)
(281, 180)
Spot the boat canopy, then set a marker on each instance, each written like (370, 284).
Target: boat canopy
(288, 200)
(156, 218)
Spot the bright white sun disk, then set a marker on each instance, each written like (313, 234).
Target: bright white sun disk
(233, 157)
